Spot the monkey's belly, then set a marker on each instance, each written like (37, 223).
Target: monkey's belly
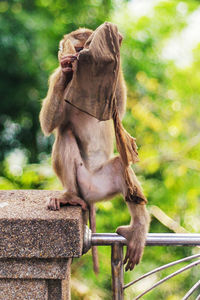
(94, 137)
(95, 160)
(95, 148)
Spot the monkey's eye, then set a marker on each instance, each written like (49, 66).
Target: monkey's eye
(78, 49)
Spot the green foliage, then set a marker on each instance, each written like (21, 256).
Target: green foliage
(163, 113)
(29, 36)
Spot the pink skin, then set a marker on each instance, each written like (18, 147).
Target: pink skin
(66, 63)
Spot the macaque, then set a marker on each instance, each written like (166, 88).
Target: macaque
(82, 155)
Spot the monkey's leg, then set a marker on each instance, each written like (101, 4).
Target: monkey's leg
(135, 233)
(107, 181)
(104, 183)
(101, 184)
(65, 152)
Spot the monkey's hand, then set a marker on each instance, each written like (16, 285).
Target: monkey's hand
(136, 237)
(66, 63)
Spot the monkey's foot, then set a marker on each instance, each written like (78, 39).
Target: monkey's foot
(67, 198)
(136, 237)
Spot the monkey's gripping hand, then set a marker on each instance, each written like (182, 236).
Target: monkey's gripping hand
(66, 63)
(135, 233)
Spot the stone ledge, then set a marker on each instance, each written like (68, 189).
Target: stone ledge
(11, 289)
(28, 229)
(34, 268)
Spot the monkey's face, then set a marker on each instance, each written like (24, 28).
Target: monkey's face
(64, 46)
(77, 39)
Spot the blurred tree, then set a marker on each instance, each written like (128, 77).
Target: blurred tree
(29, 36)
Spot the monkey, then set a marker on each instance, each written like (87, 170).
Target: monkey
(83, 156)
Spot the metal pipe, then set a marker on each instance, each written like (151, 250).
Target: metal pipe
(161, 268)
(117, 271)
(168, 277)
(153, 239)
(191, 291)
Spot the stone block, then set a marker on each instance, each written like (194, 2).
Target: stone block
(12, 289)
(36, 246)
(28, 229)
(34, 268)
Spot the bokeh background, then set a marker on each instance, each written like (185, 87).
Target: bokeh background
(161, 64)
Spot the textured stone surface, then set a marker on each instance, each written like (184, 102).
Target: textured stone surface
(28, 229)
(35, 268)
(12, 289)
(55, 289)
(59, 290)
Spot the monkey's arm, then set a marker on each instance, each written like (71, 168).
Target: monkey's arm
(121, 94)
(52, 108)
(52, 111)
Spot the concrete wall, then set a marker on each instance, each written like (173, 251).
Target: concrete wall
(36, 246)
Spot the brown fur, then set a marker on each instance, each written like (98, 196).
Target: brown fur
(82, 154)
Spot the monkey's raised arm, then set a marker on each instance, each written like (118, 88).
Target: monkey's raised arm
(52, 108)
(52, 111)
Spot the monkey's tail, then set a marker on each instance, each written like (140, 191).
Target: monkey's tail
(92, 218)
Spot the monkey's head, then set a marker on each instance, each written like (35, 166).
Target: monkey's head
(77, 38)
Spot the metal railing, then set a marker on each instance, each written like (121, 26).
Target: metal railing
(153, 239)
